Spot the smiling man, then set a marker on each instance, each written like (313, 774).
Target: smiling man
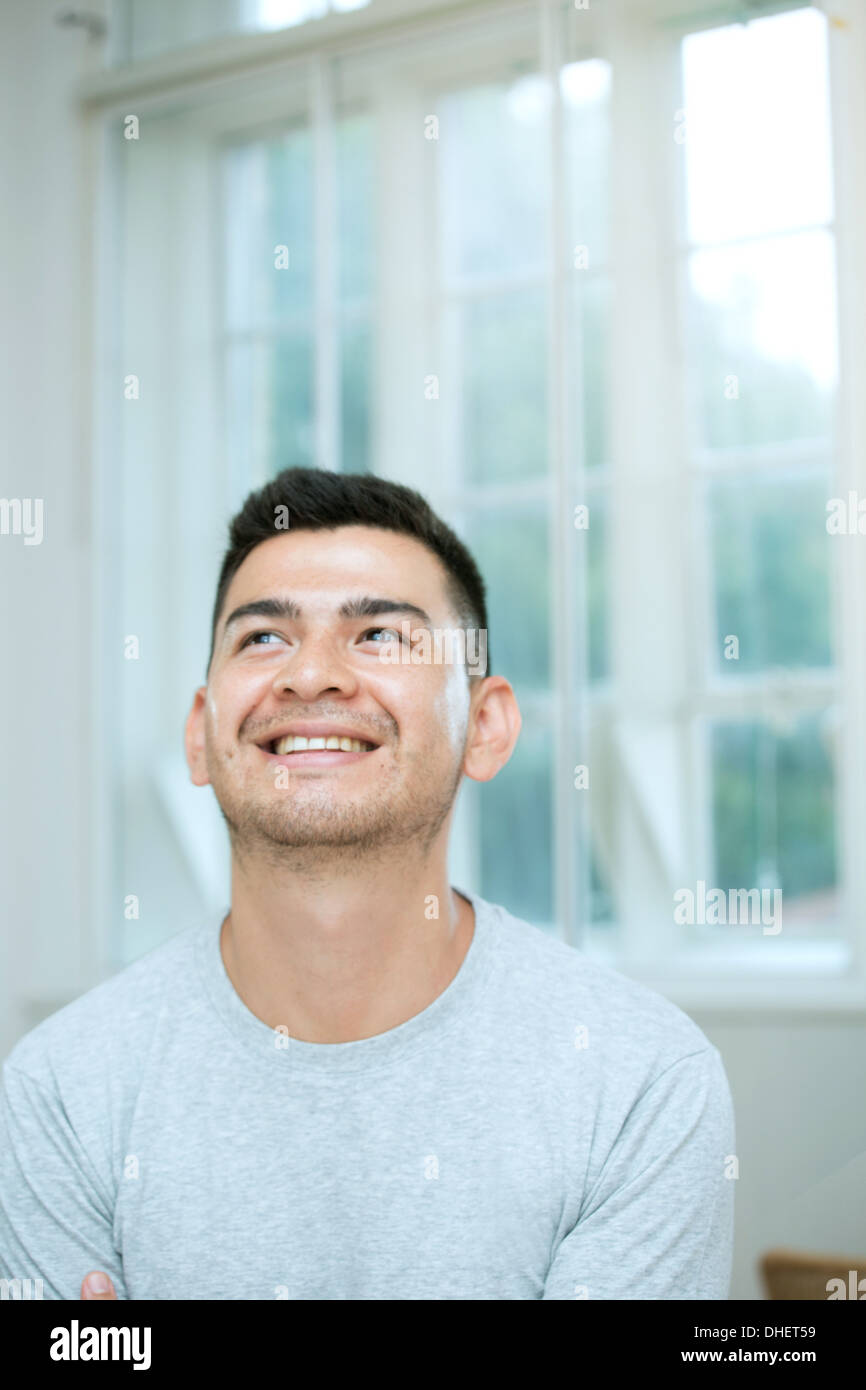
(362, 1082)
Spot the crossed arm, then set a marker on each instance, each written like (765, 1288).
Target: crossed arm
(657, 1222)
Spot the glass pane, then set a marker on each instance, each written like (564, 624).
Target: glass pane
(757, 127)
(269, 254)
(282, 14)
(517, 830)
(585, 89)
(762, 328)
(494, 190)
(142, 28)
(356, 393)
(356, 185)
(774, 814)
(591, 296)
(504, 387)
(512, 552)
(770, 570)
(597, 589)
(356, 235)
(270, 406)
(602, 909)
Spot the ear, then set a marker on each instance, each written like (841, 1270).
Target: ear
(194, 741)
(494, 723)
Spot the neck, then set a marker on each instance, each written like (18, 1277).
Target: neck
(342, 955)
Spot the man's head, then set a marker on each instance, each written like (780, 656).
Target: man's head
(312, 499)
(325, 577)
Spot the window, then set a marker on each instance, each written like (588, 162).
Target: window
(272, 319)
(143, 29)
(758, 301)
(537, 263)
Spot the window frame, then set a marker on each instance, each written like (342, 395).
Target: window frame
(255, 72)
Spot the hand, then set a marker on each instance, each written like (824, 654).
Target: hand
(108, 1291)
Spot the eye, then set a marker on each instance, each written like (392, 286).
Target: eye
(256, 637)
(391, 631)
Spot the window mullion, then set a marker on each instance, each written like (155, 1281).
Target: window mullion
(326, 295)
(649, 617)
(568, 560)
(847, 62)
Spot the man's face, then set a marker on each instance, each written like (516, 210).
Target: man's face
(312, 667)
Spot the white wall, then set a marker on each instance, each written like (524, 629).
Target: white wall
(44, 453)
(799, 1084)
(799, 1090)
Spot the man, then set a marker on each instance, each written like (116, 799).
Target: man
(362, 1083)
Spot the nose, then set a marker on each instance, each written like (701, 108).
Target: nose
(315, 668)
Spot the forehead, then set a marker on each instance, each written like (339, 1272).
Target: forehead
(329, 565)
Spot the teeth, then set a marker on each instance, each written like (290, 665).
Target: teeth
(296, 743)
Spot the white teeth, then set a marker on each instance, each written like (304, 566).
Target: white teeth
(297, 743)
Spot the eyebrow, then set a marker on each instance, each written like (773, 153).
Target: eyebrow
(364, 607)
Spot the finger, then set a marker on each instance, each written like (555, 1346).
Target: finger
(97, 1285)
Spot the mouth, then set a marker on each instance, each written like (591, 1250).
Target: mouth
(297, 743)
(326, 750)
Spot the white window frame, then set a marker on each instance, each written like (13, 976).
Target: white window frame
(641, 711)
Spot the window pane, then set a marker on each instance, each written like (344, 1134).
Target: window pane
(494, 191)
(516, 829)
(757, 127)
(591, 308)
(356, 186)
(356, 361)
(269, 206)
(356, 176)
(763, 338)
(512, 553)
(504, 387)
(270, 406)
(585, 89)
(774, 816)
(142, 28)
(281, 14)
(597, 589)
(770, 560)
(602, 910)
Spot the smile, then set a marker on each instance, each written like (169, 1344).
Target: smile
(297, 743)
(317, 750)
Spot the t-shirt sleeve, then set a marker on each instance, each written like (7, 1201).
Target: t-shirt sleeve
(56, 1209)
(658, 1221)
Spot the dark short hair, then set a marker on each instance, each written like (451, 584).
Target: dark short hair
(319, 500)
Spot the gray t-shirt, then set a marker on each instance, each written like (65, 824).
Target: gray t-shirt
(546, 1128)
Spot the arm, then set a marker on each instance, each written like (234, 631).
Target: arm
(658, 1223)
(56, 1212)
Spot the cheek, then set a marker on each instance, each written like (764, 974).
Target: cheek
(229, 701)
(452, 706)
(430, 706)
(211, 717)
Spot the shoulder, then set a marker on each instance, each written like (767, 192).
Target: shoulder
(107, 1030)
(567, 1001)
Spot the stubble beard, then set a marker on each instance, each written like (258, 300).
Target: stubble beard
(304, 826)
